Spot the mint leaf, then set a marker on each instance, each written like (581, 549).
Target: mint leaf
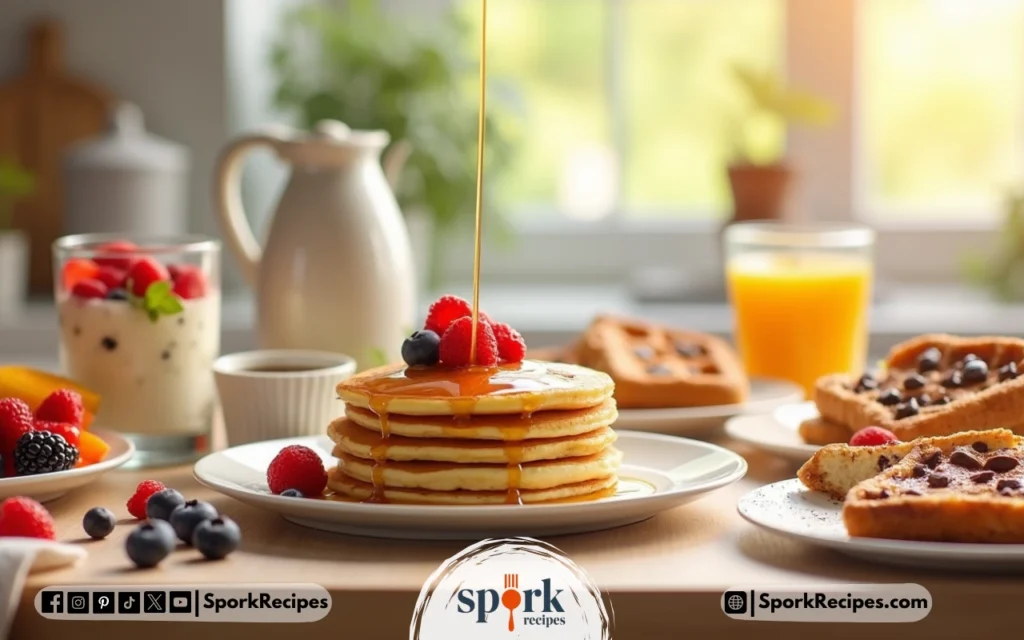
(159, 300)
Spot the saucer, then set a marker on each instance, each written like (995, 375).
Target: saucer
(777, 433)
(45, 487)
(790, 509)
(661, 473)
(765, 395)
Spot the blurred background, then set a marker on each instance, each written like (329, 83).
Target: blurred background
(623, 135)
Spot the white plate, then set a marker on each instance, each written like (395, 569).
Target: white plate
(777, 433)
(790, 509)
(50, 486)
(765, 395)
(660, 472)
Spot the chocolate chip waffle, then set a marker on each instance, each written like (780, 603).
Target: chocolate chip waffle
(932, 385)
(654, 366)
(970, 494)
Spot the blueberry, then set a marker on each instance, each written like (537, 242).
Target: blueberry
(160, 505)
(117, 294)
(149, 543)
(216, 538)
(292, 493)
(98, 522)
(185, 518)
(421, 348)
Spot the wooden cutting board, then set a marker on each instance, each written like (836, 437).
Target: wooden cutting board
(42, 112)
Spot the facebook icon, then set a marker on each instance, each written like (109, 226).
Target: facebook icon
(53, 602)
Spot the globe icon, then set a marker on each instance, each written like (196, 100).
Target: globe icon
(735, 602)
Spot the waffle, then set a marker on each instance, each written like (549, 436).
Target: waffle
(654, 366)
(932, 385)
(971, 493)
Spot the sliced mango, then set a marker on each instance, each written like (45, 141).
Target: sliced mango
(92, 448)
(33, 385)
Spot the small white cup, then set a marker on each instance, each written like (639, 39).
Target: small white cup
(271, 394)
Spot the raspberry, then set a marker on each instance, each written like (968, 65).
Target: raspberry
(25, 518)
(444, 312)
(511, 346)
(111, 259)
(15, 421)
(89, 289)
(76, 270)
(144, 272)
(189, 282)
(455, 344)
(112, 277)
(137, 503)
(871, 436)
(297, 467)
(71, 434)
(63, 405)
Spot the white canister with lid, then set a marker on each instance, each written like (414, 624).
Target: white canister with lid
(126, 180)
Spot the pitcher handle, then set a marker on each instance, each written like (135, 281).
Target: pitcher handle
(228, 203)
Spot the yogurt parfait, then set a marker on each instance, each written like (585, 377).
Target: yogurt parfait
(140, 326)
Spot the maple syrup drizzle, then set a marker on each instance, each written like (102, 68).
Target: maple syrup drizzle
(379, 452)
(480, 137)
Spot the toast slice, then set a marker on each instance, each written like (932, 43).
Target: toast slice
(836, 468)
(933, 385)
(971, 493)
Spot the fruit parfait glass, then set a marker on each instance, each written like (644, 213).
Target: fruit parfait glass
(140, 326)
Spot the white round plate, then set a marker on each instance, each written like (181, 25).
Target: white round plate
(790, 509)
(660, 472)
(777, 433)
(765, 396)
(50, 486)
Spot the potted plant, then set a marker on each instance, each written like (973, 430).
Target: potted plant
(760, 181)
(377, 70)
(15, 183)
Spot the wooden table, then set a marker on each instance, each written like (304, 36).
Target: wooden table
(664, 577)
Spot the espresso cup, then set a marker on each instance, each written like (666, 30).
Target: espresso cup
(272, 394)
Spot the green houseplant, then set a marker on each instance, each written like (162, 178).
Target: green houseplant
(15, 183)
(760, 182)
(412, 78)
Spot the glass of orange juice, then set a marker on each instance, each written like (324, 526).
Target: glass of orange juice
(801, 297)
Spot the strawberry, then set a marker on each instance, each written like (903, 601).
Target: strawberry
(189, 282)
(111, 254)
(144, 272)
(15, 421)
(63, 405)
(25, 518)
(455, 344)
(511, 346)
(89, 289)
(69, 432)
(112, 277)
(76, 270)
(297, 467)
(137, 503)
(872, 436)
(445, 311)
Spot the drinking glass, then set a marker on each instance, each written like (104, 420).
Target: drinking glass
(145, 346)
(800, 296)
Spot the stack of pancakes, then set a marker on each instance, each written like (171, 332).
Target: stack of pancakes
(528, 432)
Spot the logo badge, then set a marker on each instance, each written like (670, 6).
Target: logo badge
(510, 588)
(53, 602)
(735, 602)
(181, 602)
(129, 602)
(103, 602)
(156, 602)
(78, 602)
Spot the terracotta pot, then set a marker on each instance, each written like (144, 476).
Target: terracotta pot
(759, 192)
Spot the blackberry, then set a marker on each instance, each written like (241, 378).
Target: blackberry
(43, 452)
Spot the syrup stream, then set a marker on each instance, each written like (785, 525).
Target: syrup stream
(479, 177)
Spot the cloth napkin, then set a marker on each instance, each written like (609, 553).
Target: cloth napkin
(18, 558)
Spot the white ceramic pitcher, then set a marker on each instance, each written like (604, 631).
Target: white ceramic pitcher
(336, 270)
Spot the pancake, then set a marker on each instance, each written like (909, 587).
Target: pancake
(357, 490)
(450, 476)
(507, 389)
(543, 424)
(367, 444)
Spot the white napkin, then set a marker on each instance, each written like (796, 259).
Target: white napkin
(20, 557)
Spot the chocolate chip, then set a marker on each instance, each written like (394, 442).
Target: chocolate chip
(166, 355)
(953, 380)
(1008, 483)
(963, 459)
(1008, 372)
(941, 400)
(689, 350)
(911, 492)
(919, 471)
(924, 399)
(937, 481)
(1001, 464)
(929, 360)
(658, 370)
(982, 476)
(980, 447)
(883, 494)
(866, 383)
(907, 409)
(644, 353)
(970, 357)
(933, 460)
(109, 343)
(913, 382)
(975, 372)
(883, 463)
(890, 397)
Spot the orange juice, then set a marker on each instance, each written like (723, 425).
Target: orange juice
(800, 316)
